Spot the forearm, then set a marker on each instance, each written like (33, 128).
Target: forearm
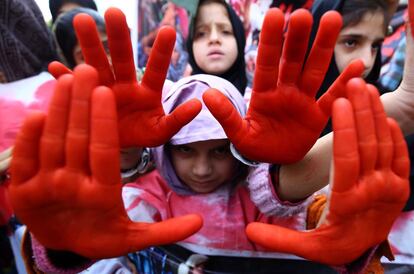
(398, 107)
(399, 104)
(300, 180)
(263, 194)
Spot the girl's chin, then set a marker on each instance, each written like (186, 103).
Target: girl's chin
(203, 189)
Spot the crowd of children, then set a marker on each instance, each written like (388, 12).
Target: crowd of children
(234, 183)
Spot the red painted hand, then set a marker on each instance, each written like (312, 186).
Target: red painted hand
(284, 120)
(369, 185)
(138, 104)
(66, 185)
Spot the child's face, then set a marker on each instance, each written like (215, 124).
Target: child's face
(214, 45)
(204, 166)
(360, 41)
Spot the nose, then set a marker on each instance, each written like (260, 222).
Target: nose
(202, 167)
(214, 35)
(368, 58)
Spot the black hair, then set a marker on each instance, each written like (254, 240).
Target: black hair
(56, 5)
(353, 11)
(236, 74)
(65, 35)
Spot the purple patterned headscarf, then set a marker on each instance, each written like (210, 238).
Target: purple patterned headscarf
(203, 127)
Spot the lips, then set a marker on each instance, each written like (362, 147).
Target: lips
(215, 53)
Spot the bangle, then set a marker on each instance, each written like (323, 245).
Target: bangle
(140, 168)
(240, 157)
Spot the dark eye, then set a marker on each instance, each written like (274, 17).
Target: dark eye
(222, 151)
(199, 34)
(183, 149)
(227, 32)
(350, 43)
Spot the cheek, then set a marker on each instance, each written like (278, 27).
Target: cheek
(342, 58)
(181, 166)
(228, 168)
(233, 52)
(198, 50)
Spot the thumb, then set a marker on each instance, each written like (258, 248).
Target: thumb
(281, 239)
(224, 112)
(182, 115)
(338, 88)
(165, 232)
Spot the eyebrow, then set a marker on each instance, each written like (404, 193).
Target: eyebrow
(359, 36)
(219, 24)
(227, 145)
(351, 35)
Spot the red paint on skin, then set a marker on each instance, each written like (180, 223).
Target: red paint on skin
(411, 15)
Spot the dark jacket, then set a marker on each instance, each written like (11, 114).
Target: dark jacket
(26, 45)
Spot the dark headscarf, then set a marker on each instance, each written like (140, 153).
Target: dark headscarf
(318, 9)
(65, 35)
(26, 45)
(296, 4)
(237, 72)
(55, 5)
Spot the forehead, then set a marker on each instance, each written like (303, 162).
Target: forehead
(371, 25)
(212, 13)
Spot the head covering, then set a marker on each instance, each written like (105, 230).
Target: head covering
(203, 127)
(26, 45)
(65, 35)
(295, 4)
(56, 5)
(319, 8)
(237, 72)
